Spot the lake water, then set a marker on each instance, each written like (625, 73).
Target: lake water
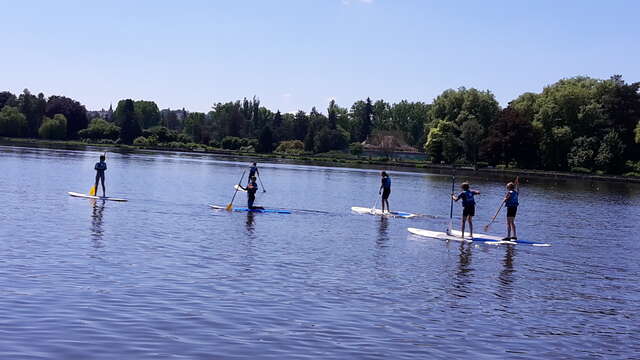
(165, 277)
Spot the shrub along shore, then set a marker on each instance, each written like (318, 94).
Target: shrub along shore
(332, 159)
(576, 125)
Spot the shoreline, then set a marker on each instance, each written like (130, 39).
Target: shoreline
(332, 160)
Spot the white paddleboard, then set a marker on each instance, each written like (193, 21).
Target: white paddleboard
(75, 194)
(378, 212)
(237, 187)
(445, 236)
(497, 238)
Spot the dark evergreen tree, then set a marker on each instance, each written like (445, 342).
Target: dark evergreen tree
(265, 140)
(129, 125)
(366, 120)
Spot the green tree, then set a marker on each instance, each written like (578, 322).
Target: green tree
(7, 98)
(12, 122)
(511, 137)
(472, 134)
(73, 111)
(265, 141)
(451, 103)
(300, 125)
(638, 133)
(609, 158)
(410, 118)
(100, 129)
(333, 115)
(54, 129)
(443, 143)
(583, 152)
(366, 120)
(555, 146)
(317, 121)
(33, 107)
(127, 119)
(147, 113)
(194, 126)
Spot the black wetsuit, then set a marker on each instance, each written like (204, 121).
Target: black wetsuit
(251, 194)
(100, 168)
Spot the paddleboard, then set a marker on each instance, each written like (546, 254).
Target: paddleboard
(378, 212)
(75, 194)
(524, 242)
(241, 209)
(445, 236)
(237, 187)
(455, 235)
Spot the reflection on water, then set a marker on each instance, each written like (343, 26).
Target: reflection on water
(180, 282)
(97, 232)
(383, 236)
(250, 223)
(506, 277)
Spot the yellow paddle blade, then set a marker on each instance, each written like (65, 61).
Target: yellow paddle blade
(92, 192)
(229, 207)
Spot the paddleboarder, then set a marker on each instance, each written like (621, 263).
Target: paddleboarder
(511, 202)
(253, 171)
(100, 168)
(251, 190)
(385, 191)
(468, 206)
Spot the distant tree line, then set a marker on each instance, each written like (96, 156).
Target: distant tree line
(579, 124)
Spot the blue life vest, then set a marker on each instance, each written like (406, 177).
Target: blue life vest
(386, 183)
(253, 170)
(467, 198)
(512, 201)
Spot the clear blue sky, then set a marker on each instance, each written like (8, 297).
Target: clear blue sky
(295, 54)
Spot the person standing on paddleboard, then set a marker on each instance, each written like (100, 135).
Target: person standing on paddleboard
(385, 190)
(253, 171)
(100, 168)
(468, 206)
(251, 190)
(511, 202)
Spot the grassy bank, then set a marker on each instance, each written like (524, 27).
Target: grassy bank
(335, 159)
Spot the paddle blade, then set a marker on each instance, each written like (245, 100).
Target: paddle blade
(92, 191)
(229, 207)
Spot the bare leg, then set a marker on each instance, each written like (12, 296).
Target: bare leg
(470, 226)
(508, 228)
(382, 205)
(387, 201)
(512, 226)
(464, 219)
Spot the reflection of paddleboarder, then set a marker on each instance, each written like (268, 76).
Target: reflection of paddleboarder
(251, 190)
(100, 168)
(385, 190)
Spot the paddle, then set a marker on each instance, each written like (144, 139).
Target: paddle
(261, 184)
(93, 189)
(375, 202)
(486, 227)
(453, 188)
(230, 206)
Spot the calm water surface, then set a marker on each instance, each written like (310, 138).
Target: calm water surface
(163, 276)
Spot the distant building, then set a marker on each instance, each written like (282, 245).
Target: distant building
(102, 113)
(392, 145)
